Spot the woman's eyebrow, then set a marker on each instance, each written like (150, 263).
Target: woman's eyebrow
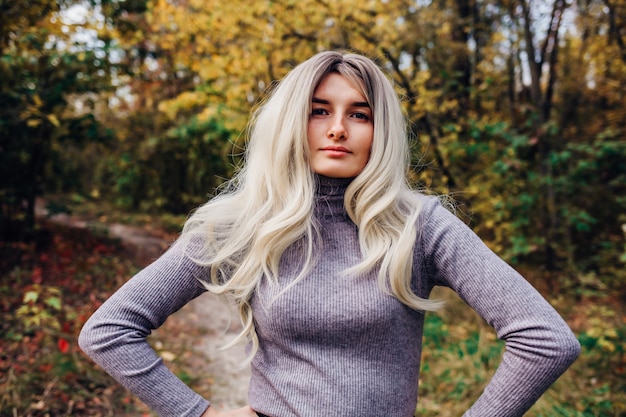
(320, 101)
(355, 104)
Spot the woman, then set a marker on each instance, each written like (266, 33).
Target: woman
(331, 258)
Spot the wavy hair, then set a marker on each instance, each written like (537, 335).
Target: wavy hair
(241, 234)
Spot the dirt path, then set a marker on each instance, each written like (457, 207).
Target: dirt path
(227, 381)
(202, 326)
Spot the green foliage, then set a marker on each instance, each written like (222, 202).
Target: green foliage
(528, 214)
(174, 170)
(460, 353)
(40, 307)
(47, 291)
(595, 384)
(41, 66)
(164, 91)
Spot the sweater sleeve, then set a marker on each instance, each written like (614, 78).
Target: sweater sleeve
(115, 335)
(539, 344)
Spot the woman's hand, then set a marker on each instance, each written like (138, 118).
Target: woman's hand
(240, 412)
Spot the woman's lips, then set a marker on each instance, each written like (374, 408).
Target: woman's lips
(335, 150)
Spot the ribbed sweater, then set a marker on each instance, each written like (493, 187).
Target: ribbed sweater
(335, 344)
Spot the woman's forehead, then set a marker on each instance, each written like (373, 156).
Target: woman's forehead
(344, 80)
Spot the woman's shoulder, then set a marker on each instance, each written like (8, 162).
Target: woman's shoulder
(436, 210)
(429, 203)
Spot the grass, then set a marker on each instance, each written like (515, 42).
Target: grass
(461, 353)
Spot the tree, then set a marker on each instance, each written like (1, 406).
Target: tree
(509, 104)
(41, 64)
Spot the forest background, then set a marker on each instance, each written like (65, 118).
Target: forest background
(136, 110)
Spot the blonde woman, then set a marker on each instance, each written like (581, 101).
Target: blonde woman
(330, 257)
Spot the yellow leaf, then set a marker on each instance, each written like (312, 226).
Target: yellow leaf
(33, 122)
(168, 356)
(52, 118)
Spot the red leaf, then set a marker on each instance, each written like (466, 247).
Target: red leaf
(45, 368)
(37, 275)
(63, 345)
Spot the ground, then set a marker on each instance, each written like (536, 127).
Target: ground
(191, 340)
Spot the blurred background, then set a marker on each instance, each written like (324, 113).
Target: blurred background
(132, 112)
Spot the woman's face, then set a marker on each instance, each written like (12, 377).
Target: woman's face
(340, 129)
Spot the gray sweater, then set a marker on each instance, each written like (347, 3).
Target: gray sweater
(336, 345)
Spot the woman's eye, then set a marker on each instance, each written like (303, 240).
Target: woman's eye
(362, 116)
(319, 112)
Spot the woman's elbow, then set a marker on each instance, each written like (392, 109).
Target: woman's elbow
(569, 348)
(86, 339)
(94, 338)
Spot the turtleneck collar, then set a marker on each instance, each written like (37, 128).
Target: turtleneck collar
(329, 193)
(328, 186)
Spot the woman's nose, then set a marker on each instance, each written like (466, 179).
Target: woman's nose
(337, 129)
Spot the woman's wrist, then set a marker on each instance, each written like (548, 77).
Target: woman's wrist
(210, 412)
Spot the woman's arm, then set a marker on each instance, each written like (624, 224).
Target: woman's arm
(115, 335)
(539, 344)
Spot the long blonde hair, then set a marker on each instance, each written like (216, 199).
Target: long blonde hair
(268, 205)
